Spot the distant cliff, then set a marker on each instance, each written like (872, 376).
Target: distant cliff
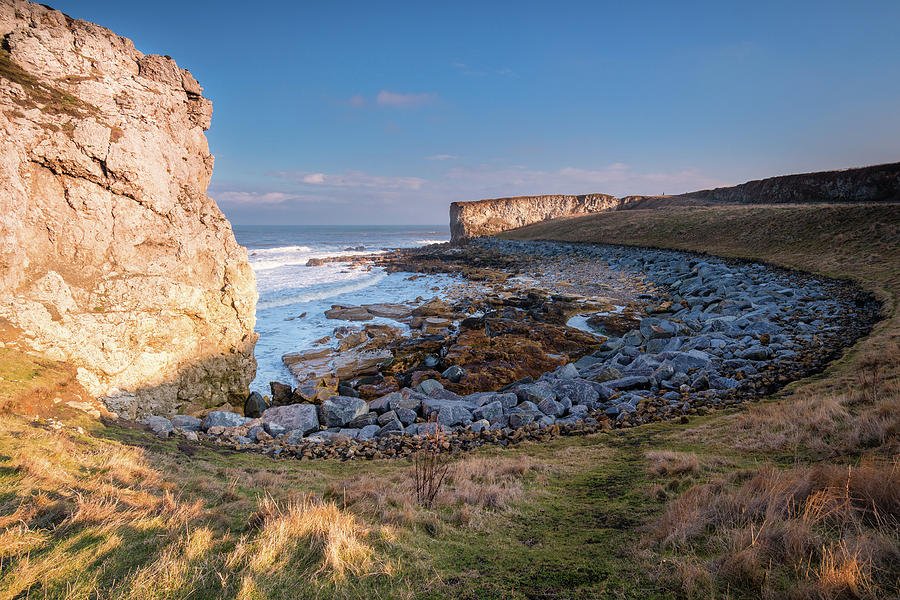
(867, 184)
(487, 217)
(113, 257)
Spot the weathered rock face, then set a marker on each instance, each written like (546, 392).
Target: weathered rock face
(880, 183)
(487, 217)
(113, 258)
(869, 184)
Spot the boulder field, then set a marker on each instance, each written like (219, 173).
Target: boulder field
(113, 257)
(708, 333)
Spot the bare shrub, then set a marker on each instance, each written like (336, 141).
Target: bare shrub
(431, 465)
(472, 485)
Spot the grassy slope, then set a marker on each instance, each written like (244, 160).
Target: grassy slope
(118, 512)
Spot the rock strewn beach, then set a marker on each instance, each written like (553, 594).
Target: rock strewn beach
(691, 334)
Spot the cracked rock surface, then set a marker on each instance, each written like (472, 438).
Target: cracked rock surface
(113, 257)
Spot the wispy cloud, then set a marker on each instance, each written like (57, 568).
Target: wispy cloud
(398, 100)
(352, 179)
(441, 157)
(227, 196)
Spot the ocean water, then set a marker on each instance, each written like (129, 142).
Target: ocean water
(288, 288)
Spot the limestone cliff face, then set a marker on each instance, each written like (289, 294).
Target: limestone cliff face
(112, 256)
(487, 217)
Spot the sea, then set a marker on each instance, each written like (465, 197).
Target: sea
(293, 297)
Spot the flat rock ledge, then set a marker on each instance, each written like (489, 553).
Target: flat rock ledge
(715, 333)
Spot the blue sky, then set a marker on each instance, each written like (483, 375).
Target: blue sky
(385, 112)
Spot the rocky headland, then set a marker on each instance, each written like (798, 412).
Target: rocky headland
(880, 183)
(113, 257)
(487, 217)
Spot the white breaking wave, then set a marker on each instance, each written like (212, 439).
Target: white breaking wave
(429, 242)
(322, 294)
(279, 250)
(283, 256)
(291, 256)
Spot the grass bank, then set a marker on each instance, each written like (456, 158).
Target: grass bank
(777, 499)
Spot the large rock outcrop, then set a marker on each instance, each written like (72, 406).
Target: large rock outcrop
(487, 217)
(880, 183)
(113, 258)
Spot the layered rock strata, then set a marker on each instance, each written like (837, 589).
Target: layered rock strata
(880, 183)
(113, 257)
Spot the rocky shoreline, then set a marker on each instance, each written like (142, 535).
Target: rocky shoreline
(669, 335)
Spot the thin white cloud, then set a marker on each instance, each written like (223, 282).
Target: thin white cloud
(397, 100)
(353, 179)
(441, 157)
(255, 197)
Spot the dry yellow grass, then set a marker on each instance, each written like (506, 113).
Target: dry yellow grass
(831, 526)
(669, 462)
(301, 524)
(78, 510)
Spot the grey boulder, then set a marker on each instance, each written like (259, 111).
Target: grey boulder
(161, 426)
(221, 418)
(297, 417)
(340, 410)
(186, 422)
(255, 405)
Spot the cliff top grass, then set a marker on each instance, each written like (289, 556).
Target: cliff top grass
(796, 496)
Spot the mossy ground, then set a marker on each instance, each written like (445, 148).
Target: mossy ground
(109, 511)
